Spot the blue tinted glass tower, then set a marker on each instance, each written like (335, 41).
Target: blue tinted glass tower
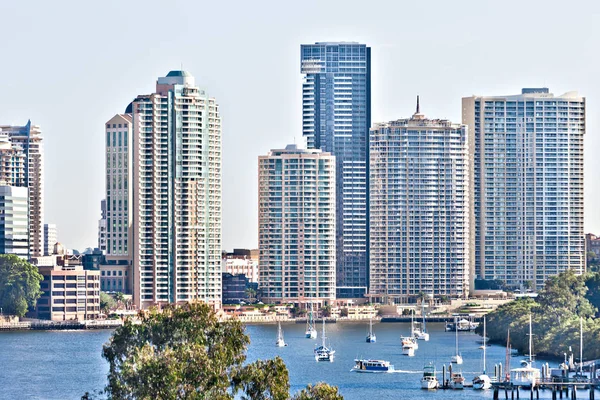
(336, 117)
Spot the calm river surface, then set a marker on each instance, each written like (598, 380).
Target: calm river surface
(66, 364)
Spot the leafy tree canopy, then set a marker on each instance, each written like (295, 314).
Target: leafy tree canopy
(187, 353)
(19, 285)
(107, 302)
(320, 391)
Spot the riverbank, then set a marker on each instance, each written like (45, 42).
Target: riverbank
(59, 325)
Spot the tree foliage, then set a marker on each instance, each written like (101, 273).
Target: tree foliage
(19, 285)
(320, 391)
(555, 317)
(107, 302)
(187, 353)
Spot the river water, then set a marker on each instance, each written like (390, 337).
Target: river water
(66, 364)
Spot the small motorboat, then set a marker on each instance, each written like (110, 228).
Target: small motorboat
(373, 366)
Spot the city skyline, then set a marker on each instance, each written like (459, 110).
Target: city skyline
(449, 69)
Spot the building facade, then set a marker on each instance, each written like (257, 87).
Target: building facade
(336, 117)
(527, 152)
(29, 139)
(13, 221)
(102, 227)
(50, 238)
(296, 226)
(177, 194)
(420, 216)
(12, 162)
(241, 261)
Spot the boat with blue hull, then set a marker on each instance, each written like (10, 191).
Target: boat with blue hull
(373, 366)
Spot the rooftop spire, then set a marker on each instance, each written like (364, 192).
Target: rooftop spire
(418, 107)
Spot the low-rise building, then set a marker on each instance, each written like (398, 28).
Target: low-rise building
(114, 277)
(234, 288)
(68, 293)
(241, 261)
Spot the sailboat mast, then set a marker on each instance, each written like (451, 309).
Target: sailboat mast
(581, 346)
(507, 361)
(456, 333)
(484, 343)
(323, 331)
(530, 341)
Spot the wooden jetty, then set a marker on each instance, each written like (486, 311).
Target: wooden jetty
(567, 388)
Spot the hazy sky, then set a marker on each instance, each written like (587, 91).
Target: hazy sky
(70, 66)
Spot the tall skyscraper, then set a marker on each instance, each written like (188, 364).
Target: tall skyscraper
(13, 221)
(102, 226)
(118, 200)
(296, 226)
(50, 238)
(12, 162)
(419, 209)
(176, 194)
(336, 117)
(528, 182)
(29, 138)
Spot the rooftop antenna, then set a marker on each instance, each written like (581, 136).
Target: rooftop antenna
(418, 106)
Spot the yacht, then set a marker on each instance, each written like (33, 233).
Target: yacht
(311, 332)
(371, 338)
(322, 352)
(482, 381)
(429, 379)
(408, 345)
(280, 342)
(526, 376)
(457, 358)
(421, 333)
(373, 366)
(457, 381)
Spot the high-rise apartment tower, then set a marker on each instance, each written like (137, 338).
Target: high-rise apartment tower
(296, 226)
(527, 154)
(419, 209)
(176, 194)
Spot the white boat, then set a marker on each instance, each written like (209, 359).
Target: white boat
(311, 332)
(373, 366)
(408, 350)
(324, 353)
(457, 358)
(371, 338)
(457, 381)
(526, 375)
(482, 381)
(280, 342)
(421, 333)
(429, 379)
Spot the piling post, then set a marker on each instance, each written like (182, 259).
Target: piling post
(496, 393)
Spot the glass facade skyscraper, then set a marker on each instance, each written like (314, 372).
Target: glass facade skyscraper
(527, 152)
(420, 215)
(336, 117)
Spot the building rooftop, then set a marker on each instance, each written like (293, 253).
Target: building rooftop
(178, 73)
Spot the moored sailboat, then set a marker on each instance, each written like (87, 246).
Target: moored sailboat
(483, 381)
(324, 353)
(371, 338)
(280, 342)
(457, 358)
(311, 332)
(526, 376)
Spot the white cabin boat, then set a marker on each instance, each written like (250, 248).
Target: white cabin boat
(429, 379)
(457, 381)
(372, 366)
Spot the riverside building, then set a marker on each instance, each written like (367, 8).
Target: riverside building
(50, 238)
(419, 200)
(13, 221)
(336, 117)
(176, 206)
(296, 226)
(29, 139)
(527, 154)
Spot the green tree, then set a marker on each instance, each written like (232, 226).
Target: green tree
(564, 295)
(326, 311)
(344, 312)
(107, 302)
(120, 297)
(320, 391)
(19, 285)
(187, 353)
(251, 293)
(592, 282)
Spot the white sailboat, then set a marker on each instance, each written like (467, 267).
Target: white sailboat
(422, 333)
(311, 332)
(457, 358)
(527, 375)
(280, 342)
(371, 338)
(324, 353)
(482, 381)
(414, 331)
